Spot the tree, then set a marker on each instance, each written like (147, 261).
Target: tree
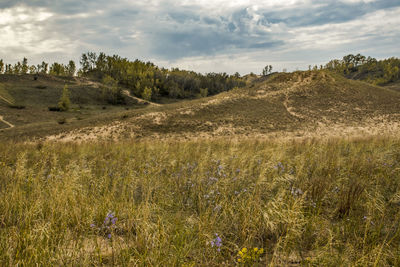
(1, 66)
(203, 92)
(44, 67)
(146, 95)
(24, 67)
(17, 68)
(64, 103)
(57, 69)
(85, 63)
(111, 92)
(71, 68)
(32, 70)
(101, 62)
(8, 69)
(265, 71)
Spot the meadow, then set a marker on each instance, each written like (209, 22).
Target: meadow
(309, 202)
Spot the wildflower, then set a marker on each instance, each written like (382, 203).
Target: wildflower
(217, 242)
(251, 256)
(217, 208)
(109, 236)
(279, 167)
(92, 225)
(296, 192)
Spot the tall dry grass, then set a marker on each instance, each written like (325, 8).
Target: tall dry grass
(313, 203)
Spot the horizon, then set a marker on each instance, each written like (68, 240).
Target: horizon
(222, 36)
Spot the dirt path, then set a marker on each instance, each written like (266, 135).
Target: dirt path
(125, 92)
(6, 122)
(139, 100)
(294, 87)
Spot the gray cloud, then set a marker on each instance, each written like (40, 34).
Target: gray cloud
(177, 32)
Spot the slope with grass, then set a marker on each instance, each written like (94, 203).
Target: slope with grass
(295, 104)
(25, 102)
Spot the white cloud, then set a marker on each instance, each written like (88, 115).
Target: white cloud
(220, 35)
(24, 28)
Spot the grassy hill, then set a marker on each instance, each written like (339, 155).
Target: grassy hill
(25, 102)
(299, 103)
(223, 201)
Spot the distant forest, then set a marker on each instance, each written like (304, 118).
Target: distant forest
(146, 80)
(143, 79)
(359, 67)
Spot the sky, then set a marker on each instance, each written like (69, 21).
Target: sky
(205, 36)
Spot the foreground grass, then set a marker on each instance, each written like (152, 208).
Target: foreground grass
(312, 203)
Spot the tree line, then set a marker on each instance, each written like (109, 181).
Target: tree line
(146, 80)
(143, 79)
(359, 67)
(22, 67)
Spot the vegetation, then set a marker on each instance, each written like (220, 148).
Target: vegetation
(267, 70)
(144, 80)
(210, 202)
(150, 82)
(112, 93)
(65, 102)
(359, 67)
(318, 203)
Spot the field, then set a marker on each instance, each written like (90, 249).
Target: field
(294, 169)
(316, 202)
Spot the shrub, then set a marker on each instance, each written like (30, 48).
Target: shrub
(64, 103)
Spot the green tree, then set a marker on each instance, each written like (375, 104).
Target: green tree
(146, 95)
(32, 69)
(85, 63)
(44, 67)
(17, 68)
(8, 69)
(65, 102)
(71, 68)
(24, 67)
(1, 66)
(203, 92)
(111, 92)
(57, 69)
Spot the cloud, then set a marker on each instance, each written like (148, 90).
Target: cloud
(194, 32)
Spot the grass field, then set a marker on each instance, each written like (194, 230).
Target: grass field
(331, 202)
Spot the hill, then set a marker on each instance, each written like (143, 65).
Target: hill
(25, 102)
(294, 104)
(208, 202)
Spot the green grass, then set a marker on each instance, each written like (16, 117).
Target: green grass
(313, 203)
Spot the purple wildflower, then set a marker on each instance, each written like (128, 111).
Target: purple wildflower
(217, 242)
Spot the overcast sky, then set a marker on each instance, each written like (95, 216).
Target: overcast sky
(205, 36)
